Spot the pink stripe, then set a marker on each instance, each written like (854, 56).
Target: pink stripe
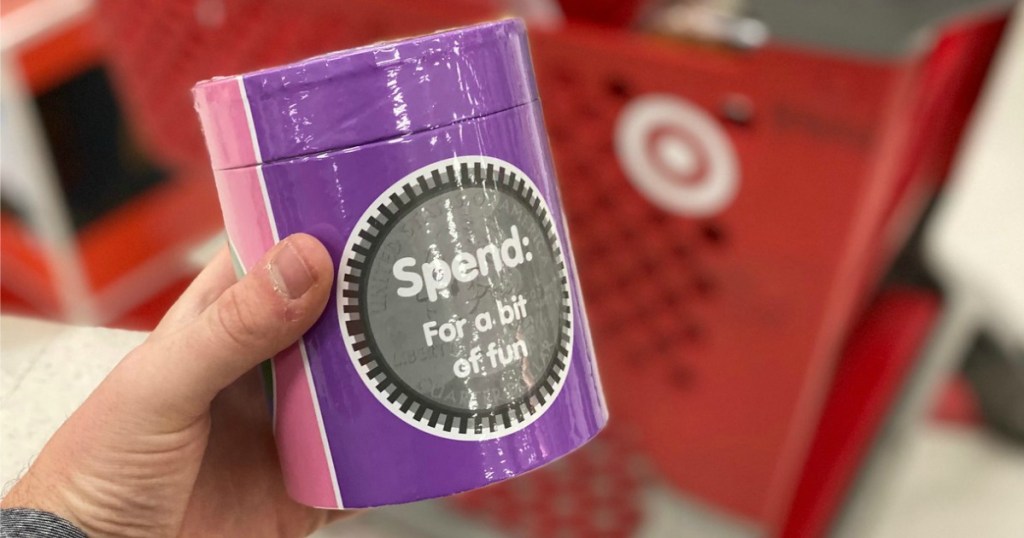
(225, 123)
(301, 448)
(303, 458)
(245, 214)
(299, 445)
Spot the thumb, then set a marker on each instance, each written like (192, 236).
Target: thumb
(255, 318)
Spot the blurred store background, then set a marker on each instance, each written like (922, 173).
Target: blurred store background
(799, 228)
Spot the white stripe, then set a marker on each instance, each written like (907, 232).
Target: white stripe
(302, 344)
(273, 395)
(248, 120)
(273, 368)
(234, 258)
(320, 424)
(258, 164)
(266, 205)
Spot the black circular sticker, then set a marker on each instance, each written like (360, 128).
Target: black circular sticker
(454, 300)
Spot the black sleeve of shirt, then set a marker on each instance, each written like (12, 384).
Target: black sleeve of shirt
(26, 523)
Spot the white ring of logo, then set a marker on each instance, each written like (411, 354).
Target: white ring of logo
(676, 155)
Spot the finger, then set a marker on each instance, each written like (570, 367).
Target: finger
(216, 277)
(253, 319)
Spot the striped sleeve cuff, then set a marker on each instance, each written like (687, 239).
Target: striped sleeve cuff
(25, 523)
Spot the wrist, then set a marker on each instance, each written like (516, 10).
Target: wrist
(36, 495)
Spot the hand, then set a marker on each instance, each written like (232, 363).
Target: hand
(177, 439)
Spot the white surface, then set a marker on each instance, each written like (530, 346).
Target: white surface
(874, 487)
(46, 371)
(667, 514)
(35, 20)
(953, 482)
(976, 241)
(976, 246)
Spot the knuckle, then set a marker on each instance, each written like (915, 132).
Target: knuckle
(238, 322)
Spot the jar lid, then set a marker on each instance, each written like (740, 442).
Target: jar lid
(367, 94)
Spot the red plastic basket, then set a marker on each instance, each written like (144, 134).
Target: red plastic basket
(595, 491)
(159, 50)
(719, 333)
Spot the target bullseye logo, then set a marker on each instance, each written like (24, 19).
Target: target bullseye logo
(676, 155)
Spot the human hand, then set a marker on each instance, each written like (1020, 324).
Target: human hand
(177, 439)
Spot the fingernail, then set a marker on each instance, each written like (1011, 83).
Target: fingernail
(289, 272)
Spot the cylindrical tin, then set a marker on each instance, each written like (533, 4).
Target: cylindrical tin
(454, 351)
